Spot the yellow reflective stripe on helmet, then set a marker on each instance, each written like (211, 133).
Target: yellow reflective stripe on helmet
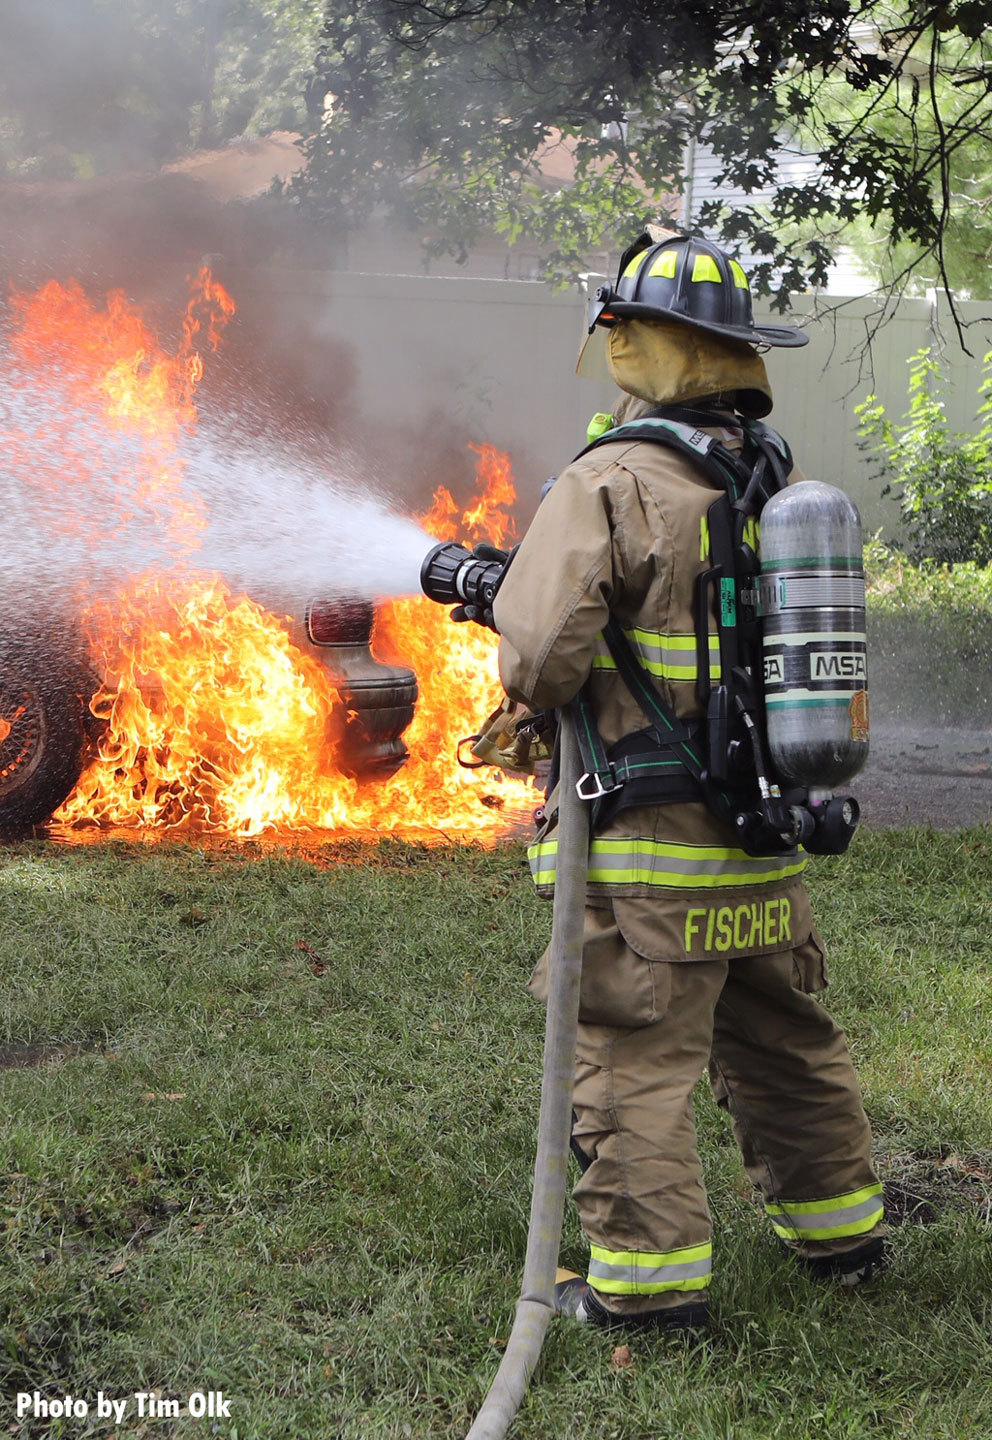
(853, 1213)
(704, 267)
(645, 1272)
(635, 265)
(635, 860)
(672, 657)
(740, 279)
(665, 264)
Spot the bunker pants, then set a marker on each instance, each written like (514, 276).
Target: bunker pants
(778, 1063)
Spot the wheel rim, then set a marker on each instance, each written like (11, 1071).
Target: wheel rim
(22, 737)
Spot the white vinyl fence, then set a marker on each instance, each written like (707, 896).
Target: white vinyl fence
(496, 358)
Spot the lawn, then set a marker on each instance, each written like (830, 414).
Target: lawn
(269, 1131)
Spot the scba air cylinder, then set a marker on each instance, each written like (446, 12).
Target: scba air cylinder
(812, 605)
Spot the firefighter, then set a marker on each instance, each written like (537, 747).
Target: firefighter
(696, 954)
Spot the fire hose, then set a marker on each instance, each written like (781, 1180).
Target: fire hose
(536, 1304)
(451, 575)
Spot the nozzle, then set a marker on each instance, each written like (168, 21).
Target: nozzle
(452, 575)
(441, 571)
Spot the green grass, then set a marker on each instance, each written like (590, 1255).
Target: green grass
(277, 1135)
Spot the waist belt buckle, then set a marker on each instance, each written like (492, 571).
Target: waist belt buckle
(591, 787)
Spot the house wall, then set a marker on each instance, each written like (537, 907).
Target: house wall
(791, 166)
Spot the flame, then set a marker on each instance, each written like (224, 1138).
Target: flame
(104, 362)
(449, 659)
(489, 518)
(210, 718)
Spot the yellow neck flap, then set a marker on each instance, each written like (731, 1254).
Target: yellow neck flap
(669, 363)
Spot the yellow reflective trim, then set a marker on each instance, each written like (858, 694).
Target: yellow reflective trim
(667, 642)
(639, 1272)
(676, 880)
(856, 1212)
(654, 1258)
(704, 537)
(677, 848)
(661, 668)
(635, 265)
(633, 1287)
(740, 279)
(540, 851)
(705, 268)
(830, 1232)
(543, 877)
(667, 671)
(819, 1207)
(643, 862)
(650, 1287)
(665, 264)
(667, 667)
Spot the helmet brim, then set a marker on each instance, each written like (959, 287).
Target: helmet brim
(785, 336)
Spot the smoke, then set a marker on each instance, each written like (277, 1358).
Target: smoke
(98, 87)
(66, 68)
(303, 490)
(289, 512)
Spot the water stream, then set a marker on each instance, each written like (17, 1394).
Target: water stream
(86, 503)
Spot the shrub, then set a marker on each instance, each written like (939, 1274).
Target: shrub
(943, 478)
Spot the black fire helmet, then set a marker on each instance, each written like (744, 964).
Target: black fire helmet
(690, 280)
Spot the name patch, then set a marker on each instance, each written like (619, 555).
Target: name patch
(754, 925)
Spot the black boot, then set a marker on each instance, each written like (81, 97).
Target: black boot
(575, 1298)
(850, 1267)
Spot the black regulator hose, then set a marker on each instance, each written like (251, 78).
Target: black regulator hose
(536, 1304)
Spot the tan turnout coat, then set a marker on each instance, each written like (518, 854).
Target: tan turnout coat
(624, 531)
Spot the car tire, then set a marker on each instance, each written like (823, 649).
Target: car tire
(42, 740)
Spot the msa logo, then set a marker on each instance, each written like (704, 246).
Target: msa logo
(838, 665)
(774, 670)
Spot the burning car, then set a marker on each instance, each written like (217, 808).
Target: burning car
(161, 699)
(49, 732)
